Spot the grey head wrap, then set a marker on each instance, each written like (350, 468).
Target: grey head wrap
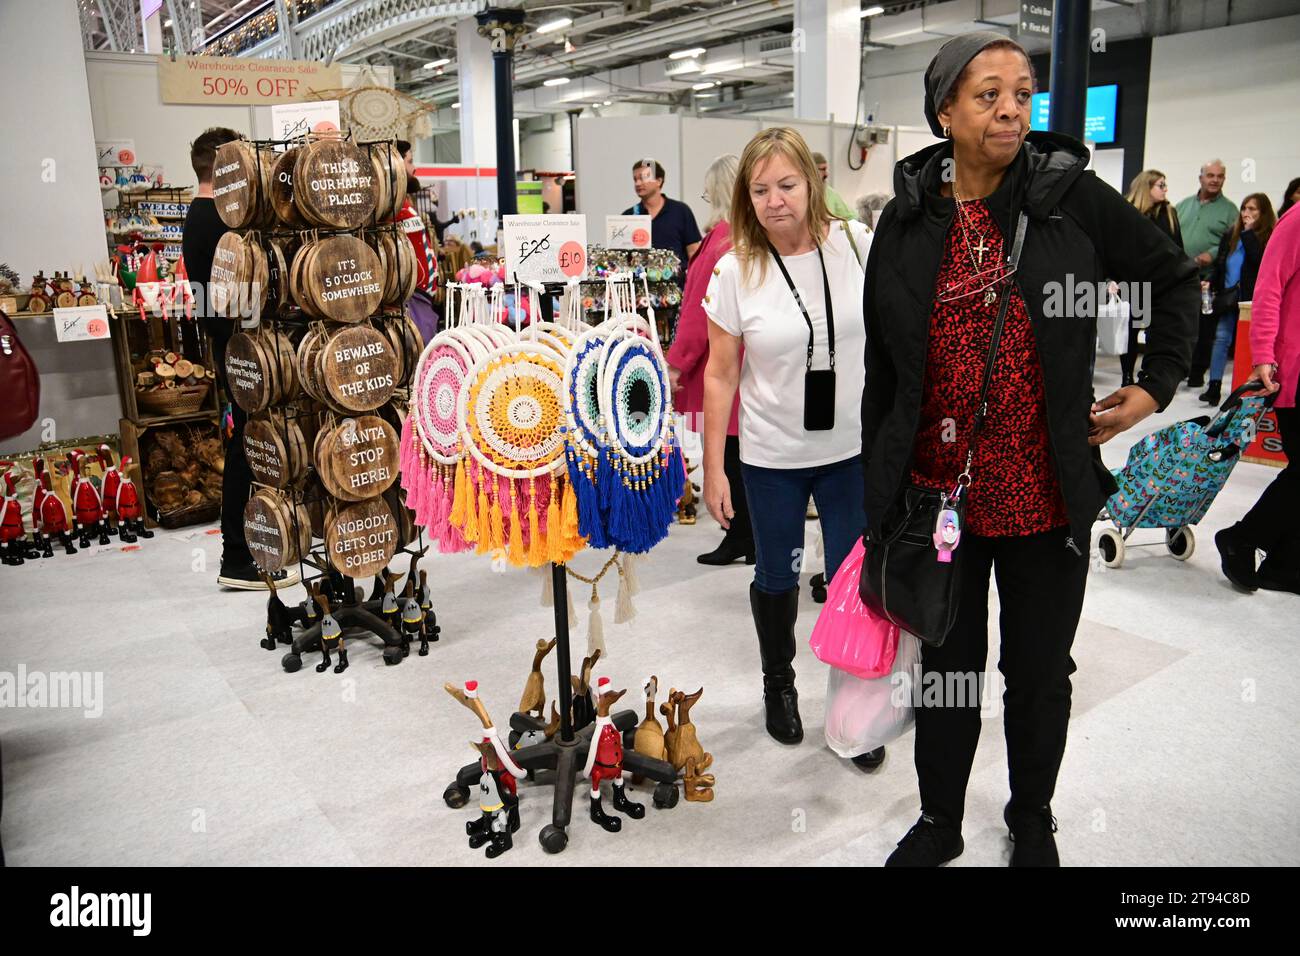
(942, 73)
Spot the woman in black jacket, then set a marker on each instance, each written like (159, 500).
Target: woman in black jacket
(1233, 281)
(935, 277)
(1149, 194)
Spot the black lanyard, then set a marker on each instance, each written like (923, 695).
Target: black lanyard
(830, 308)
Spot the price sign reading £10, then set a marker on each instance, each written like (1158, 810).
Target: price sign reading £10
(545, 248)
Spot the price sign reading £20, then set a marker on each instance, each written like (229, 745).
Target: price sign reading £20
(545, 248)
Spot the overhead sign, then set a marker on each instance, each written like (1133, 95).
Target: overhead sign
(545, 248)
(216, 80)
(1098, 113)
(627, 232)
(83, 323)
(291, 120)
(1035, 18)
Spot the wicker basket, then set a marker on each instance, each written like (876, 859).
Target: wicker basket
(184, 400)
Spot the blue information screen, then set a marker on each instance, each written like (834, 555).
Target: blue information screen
(1099, 113)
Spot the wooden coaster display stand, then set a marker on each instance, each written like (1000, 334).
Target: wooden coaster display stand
(317, 273)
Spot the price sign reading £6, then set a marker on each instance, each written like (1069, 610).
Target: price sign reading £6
(546, 248)
(627, 232)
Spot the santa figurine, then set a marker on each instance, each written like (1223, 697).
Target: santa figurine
(108, 486)
(54, 514)
(38, 499)
(605, 761)
(87, 505)
(13, 533)
(126, 505)
(148, 286)
(498, 809)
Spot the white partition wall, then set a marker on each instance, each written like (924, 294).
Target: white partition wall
(606, 147)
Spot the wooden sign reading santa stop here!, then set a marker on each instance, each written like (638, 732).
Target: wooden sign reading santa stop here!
(215, 80)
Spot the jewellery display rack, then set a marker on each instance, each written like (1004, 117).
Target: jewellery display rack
(299, 626)
(566, 752)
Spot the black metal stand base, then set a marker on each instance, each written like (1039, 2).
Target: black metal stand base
(567, 759)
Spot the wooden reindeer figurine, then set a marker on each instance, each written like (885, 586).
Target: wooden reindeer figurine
(685, 752)
(584, 710)
(431, 628)
(605, 761)
(331, 636)
(468, 696)
(412, 617)
(649, 739)
(498, 806)
(533, 700)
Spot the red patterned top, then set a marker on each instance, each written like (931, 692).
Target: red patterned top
(1014, 488)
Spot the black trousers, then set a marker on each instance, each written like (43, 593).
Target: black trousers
(1273, 524)
(237, 478)
(1040, 589)
(1206, 326)
(741, 530)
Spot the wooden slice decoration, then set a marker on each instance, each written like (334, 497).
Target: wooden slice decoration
(357, 365)
(267, 457)
(362, 458)
(334, 184)
(305, 377)
(396, 499)
(236, 184)
(383, 189)
(228, 266)
(277, 296)
(247, 373)
(362, 538)
(260, 279)
(270, 538)
(343, 279)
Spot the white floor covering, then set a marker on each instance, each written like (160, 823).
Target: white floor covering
(1183, 743)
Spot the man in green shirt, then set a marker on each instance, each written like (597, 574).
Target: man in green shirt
(1204, 218)
(835, 203)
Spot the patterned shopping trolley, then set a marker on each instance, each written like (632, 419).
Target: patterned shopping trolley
(1172, 476)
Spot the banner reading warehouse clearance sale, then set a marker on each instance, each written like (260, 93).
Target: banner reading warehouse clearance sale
(215, 80)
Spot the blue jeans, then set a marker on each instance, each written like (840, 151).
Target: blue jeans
(1222, 339)
(778, 508)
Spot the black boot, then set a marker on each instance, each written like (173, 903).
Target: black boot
(598, 815)
(342, 665)
(623, 805)
(103, 532)
(500, 843)
(930, 842)
(1237, 559)
(47, 546)
(323, 666)
(1031, 836)
(1211, 394)
(774, 617)
(66, 540)
(140, 529)
(731, 549)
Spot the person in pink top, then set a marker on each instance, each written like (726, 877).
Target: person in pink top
(1273, 524)
(690, 353)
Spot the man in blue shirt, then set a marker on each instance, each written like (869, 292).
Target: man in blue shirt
(672, 224)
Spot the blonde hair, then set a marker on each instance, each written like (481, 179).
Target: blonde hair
(748, 237)
(719, 183)
(1139, 194)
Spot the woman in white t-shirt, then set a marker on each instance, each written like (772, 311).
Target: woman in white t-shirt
(790, 292)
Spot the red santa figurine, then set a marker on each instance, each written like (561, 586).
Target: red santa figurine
(126, 503)
(87, 505)
(13, 533)
(54, 514)
(605, 761)
(108, 486)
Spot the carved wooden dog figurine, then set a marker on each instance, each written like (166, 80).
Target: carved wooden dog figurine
(684, 750)
(533, 701)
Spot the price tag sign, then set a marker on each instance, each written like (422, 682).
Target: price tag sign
(545, 248)
(83, 323)
(627, 232)
(291, 120)
(115, 152)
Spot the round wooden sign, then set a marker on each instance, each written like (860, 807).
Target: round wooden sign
(362, 456)
(248, 373)
(235, 184)
(342, 279)
(357, 366)
(362, 538)
(282, 188)
(270, 537)
(267, 457)
(230, 270)
(334, 184)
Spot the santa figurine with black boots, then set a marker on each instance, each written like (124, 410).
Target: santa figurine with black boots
(331, 638)
(108, 486)
(13, 533)
(498, 808)
(42, 543)
(87, 503)
(54, 513)
(127, 505)
(605, 761)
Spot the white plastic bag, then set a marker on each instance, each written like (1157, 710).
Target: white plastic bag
(1112, 327)
(862, 715)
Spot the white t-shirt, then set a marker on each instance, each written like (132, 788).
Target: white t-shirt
(775, 337)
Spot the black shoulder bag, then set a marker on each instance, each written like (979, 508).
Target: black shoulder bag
(818, 384)
(912, 571)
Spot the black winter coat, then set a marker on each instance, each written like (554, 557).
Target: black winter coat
(1081, 231)
(1249, 266)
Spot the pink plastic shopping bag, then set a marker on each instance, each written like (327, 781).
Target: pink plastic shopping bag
(849, 635)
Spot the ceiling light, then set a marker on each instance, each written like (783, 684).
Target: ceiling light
(609, 102)
(456, 105)
(685, 54)
(873, 11)
(556, 81)
(554, 25)
(706, 86)
(434, 64)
